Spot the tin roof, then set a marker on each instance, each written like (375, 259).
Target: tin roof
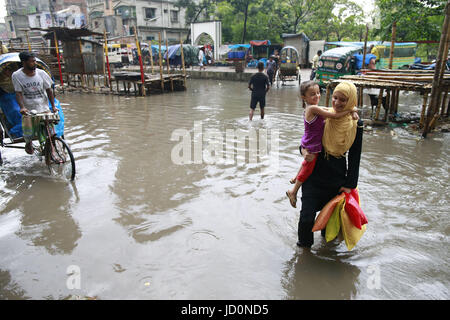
(63, 33)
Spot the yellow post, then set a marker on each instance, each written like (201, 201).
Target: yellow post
(160, 63)
(140, 62)
(28, 40)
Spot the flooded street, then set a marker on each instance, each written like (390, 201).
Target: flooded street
(136, 225)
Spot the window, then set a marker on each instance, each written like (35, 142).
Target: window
(173, 16)
(149, 13)
(107, 4)
(95, 24)
(11, 26)
(150, 38)
(38, 21)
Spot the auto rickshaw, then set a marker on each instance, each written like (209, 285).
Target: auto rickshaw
(335, 63)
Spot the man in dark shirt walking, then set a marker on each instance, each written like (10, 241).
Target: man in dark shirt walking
(259, 85)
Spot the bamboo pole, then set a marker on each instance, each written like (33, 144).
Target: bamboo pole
(59, 61)
(140, 62)
(82, 63)
(160, 64)
(151, 55)
(107, 60)
(444, 102)
(380, 100)
(397, 95)
(182, 63)
(391, 54)
(424, 108)
(388, 99)
(365, 46)
(167, 57)
(327, 98)
(435, 90)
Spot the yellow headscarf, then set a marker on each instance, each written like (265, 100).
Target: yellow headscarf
(339, 134)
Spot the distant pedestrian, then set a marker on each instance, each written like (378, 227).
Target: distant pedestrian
(271, 68)
(315, 65)
(201, 55)
(259, 85)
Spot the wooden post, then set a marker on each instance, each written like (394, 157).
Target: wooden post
(392, 101)
(82, 63)
(160, 63)
(388, 99)
(424, 108)
(391, 54)
(327, 98)
(444, 102)
(380, 100)
(397, 94)
(151, 55)
(437, 79)
(140, 62)
(107, 60)
(365, 47)
(59, 61)
(167, 57)
(182, 63)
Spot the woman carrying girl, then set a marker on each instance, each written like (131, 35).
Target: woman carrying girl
(314, 121)
(337, 165)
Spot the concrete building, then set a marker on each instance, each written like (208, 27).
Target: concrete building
(149, 17)
(25, 14)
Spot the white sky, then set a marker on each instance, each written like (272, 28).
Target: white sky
(367, 6)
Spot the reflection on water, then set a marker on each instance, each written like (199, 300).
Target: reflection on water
(310, 276)
(140, 226)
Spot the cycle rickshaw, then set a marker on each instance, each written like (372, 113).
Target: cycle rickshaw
(288, 69)
(49, 144)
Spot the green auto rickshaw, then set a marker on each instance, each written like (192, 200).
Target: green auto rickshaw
(335, 63)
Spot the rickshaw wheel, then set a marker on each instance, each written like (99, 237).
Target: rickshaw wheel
(61, 161)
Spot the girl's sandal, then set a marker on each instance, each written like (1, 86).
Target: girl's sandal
(292, 200)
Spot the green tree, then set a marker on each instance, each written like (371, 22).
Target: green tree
(416, 19)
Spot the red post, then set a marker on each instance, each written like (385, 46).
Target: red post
(59, 61)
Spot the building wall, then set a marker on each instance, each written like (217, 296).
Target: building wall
(150, 17)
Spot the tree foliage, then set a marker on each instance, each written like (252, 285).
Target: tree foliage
(331, 20)
(415, 19)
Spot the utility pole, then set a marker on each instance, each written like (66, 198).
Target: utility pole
(52, 11)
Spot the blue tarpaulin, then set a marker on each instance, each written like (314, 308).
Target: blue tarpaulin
(237, 46)
(359, 58)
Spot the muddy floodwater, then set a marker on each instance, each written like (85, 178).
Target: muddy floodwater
(139, 223)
